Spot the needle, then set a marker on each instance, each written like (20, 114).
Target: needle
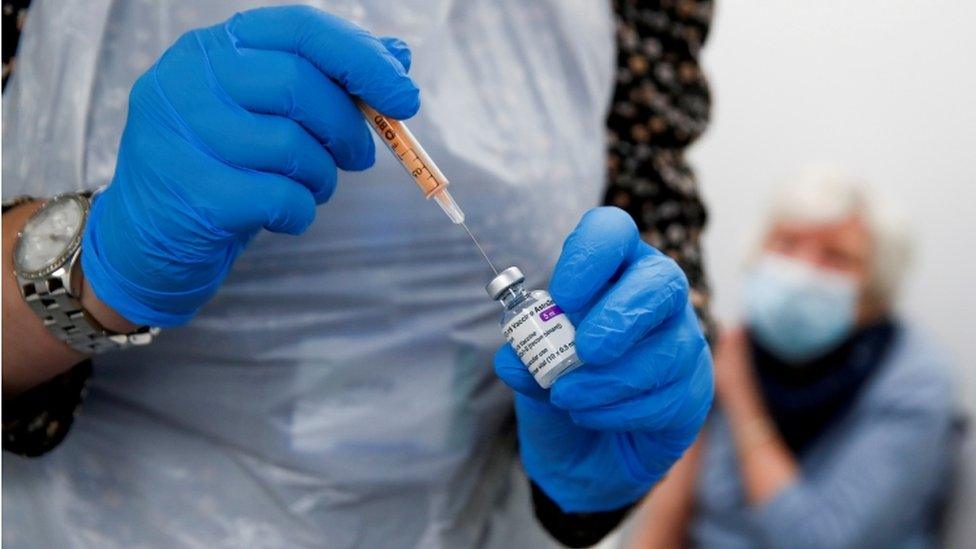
(480, 249)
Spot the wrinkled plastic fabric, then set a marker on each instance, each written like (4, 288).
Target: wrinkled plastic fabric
(338, 390)
(606, 432)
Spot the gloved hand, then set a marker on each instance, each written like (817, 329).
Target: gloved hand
(601, 437)
(237, 127)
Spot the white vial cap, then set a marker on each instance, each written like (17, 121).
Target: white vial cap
(503, 281)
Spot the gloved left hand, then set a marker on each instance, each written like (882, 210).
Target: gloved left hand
(605, 433)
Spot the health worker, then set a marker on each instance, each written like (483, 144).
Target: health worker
(329, 372)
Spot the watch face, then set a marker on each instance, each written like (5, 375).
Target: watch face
(48, 234)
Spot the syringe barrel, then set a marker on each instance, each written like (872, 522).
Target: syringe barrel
(407, 149)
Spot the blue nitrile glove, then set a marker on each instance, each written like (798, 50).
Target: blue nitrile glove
(237, 127)
(601, 437)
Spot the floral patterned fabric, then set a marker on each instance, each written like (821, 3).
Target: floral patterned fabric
(14, 15)
(660, 106)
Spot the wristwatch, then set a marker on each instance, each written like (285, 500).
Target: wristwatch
(45, 255)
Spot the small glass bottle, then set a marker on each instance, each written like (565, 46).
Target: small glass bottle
(538, 330)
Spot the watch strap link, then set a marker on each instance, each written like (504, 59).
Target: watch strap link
(63, 315)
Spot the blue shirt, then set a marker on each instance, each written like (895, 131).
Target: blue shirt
(871, 480)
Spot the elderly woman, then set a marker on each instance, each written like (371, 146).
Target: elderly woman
(834, 415)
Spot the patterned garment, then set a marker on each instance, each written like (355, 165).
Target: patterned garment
(661, 104)
(38, 420)
(14, 15)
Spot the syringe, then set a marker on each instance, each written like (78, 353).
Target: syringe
(414, 159)
(419, 165)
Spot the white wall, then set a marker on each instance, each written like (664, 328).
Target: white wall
(884, 88)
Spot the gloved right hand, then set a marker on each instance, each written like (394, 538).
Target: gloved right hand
(237, 127)
(609, 430)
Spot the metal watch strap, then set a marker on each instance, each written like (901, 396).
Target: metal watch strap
(64, 316)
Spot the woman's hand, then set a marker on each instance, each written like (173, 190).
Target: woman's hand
(766, 464)
(734, 377)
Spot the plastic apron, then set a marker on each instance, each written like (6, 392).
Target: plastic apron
(338, 391)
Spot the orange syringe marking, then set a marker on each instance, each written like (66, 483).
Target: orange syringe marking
(414, 159)
(419, 165)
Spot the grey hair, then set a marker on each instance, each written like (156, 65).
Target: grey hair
(822, 195)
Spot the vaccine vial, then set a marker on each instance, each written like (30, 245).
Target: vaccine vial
(538, 330)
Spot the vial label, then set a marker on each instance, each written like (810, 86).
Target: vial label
(541, 335)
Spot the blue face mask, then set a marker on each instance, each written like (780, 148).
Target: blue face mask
(796, 311)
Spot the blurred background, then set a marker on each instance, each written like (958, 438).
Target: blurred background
(883, 90)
